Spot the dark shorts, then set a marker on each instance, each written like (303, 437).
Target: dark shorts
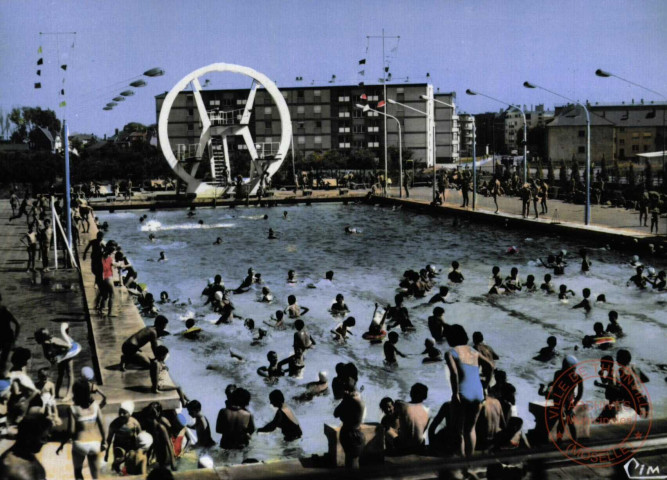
(352, 441)
(129, 349)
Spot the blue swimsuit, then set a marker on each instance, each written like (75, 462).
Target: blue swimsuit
(470, 385)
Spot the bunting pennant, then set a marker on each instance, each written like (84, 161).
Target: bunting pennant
(363, 96)
(362, 61)
(386, 69)
(64, 67)
(361, 84)
(62, 104)
(381, 104)
(39, 50)
(40, 61)
(39, 73)
(38, 85)
(362, 72)
(62, 92)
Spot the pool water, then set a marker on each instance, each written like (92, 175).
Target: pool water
(368, 267)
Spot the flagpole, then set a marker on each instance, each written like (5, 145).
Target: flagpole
(384, 84)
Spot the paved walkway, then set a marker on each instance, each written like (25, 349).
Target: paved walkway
(601, 216)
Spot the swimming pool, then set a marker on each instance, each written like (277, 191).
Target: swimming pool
(368, 267)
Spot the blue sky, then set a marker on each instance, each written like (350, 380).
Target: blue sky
(491, 46)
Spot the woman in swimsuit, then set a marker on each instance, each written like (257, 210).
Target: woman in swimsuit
(86, 429)
(467, 392)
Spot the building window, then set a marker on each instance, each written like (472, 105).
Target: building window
(647, 134)
(317, 139)
(317, 109)
(342, 114)
(358, 144)
(267, 110)
(242, 146)
(300, 125)
(227, 102)
(299, 94)
(635, 148)
(373, 114)
(582, 133)
(191, 111)
(318, 124)
(300, 109)
(358, 129)
(581, 150)
(400, 97)
(267, 124)
(284, 95)
(191, 126)
(241, 101)
(268, 139)
(344, 98)
(373, 144)
(373, 98)
(646, 148)
(213, 103)
(621, 141)
(344, 145)
(357, 113)
(635, 135)
(301, 140)
(317, 93)
(622, 129)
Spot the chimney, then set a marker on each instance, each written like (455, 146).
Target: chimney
(116, 131)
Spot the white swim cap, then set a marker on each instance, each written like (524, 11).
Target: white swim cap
(322, 376)
(144, 440)
(635, 258)
(218, 296)
(128, 406)
(88, 374)
(570, 361)
(205, 461)
(651, 270)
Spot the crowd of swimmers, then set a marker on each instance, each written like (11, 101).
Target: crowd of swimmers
(481, 414)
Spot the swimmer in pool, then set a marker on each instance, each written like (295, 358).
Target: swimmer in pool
(349, 230)
(660, 282)
(433, 354)
(593, 340)
(495, 274)
(267, 296)
(638, 279)
(272, 370)
(530, 285)
(201, 222)
(227, 311)
(376, 326)
(343, 329)
(585, 303)
(285, 214)
(191, 213)
(151, 237)
(564, 293)
(550, 263)
(218, 241)
(437, 325)
(295, 363)
(390, 350)
(279, 319)
(313, 389)
(293, 309)
(291, 277)
(399, 316)
(164, 297)
(192, 332)
(265, 217)
(512, 282)
(441, 296)
(585, 261)
(247, 282)
(163, 257)
(548, 287)
(272, 234)
(249, 323)
(548, 352)
(339, 307)
(613, 326)
(455, 276)
(302, 339)
(497, 287)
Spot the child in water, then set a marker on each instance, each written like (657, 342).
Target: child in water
(564, 293)
(390, 350)
(433, 354)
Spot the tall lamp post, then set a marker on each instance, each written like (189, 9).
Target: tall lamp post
(587, 210)
(367, 108)
(525, 129)
(604, 74)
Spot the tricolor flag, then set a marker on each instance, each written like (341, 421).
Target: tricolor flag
(363, 96)
(39, 50)
(381, 104)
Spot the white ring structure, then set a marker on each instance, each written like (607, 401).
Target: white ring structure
(261, 169)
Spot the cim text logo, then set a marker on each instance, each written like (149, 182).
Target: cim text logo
(638, 471)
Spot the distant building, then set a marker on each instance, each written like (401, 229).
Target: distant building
(466, 125)
(618, 131)
(323, 118)
(44, 139)
(537, 117)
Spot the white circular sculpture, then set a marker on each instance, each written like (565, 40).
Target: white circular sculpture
(216, 126)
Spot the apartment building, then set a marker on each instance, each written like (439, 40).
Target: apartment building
(535, 117)
(618, 131)
(323, 118)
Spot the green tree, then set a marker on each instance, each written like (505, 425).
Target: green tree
(616, 172)
(361, 159)
(630, 175)
(551, 177)
(648, 175)
(562, 174)
(135, 127)
(602, 174)
(538, 173)
(574, 173)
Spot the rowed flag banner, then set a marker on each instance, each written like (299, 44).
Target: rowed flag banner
(39, 50)
(40, 61)
(381, 104)
(362, 61)
(362, 72)
(38, 85)
(363, 96)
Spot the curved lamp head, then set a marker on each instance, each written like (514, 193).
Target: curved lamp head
(601, 73)
(423, 97)
(365, 108)
(470, 92)
(529, 85)
(391, 100)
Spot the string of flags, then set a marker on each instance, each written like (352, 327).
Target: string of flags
(60, 60)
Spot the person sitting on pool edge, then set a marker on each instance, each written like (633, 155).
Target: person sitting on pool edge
(131, 349)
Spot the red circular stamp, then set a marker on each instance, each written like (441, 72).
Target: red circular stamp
(569, 418)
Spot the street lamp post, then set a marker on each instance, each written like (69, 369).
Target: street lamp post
(587, 210)
(367, 108)
(604, 74)
(525, 130)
